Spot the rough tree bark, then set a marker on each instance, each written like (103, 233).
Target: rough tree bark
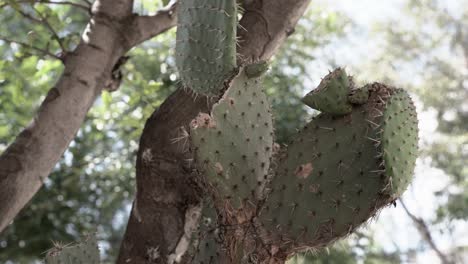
(166, 194)
(111, 32)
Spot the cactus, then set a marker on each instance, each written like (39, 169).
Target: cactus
(359, 96)
(84, 252)
(354, 158)
(350, 161)
(340, 170)
(233, 144)
(331, 96)
(206, 243)
(206, 44)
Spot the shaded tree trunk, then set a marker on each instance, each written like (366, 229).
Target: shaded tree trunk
(166, 187)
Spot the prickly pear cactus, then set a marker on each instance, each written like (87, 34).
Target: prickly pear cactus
(206, 43)
(84, 252)
(340, 170)
(233, 144)
(331, 96)
(206, 244)
(359, 96)
(354, 158)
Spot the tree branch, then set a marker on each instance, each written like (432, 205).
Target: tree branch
(46, 23)
(165, 184)
(31, 157)
(423, 229)
(87, 8)
(146, 27)
(117, 9)
(87, 2)
(264, 31)
(42, 20)
(42, 51)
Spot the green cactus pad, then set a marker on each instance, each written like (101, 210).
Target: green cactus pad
(233, 144)
(359, 96)
(340, 170)
(400, 140)
(85, 252)
(206, 245)
(206, 43)
(331, 96)
(256, 70)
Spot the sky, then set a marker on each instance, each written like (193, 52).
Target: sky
(394, 227)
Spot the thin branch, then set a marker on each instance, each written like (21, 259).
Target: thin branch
(146, 27)
(87, 8)
(84, 7)
(87, 2)
(42, 20)
(423, 229)
(46, 23)
(465, 52)
(28, 16)
(26, 45)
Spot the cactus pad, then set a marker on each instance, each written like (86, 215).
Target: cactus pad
(340, 170)
(331, 96)
(206, 43)
(399, 140)
(85, 252)
(233, 144)
(206, 246)
(359, 96)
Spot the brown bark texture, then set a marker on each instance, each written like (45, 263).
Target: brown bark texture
(166, 186)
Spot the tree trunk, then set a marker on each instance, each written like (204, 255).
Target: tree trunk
(111, 32)
(167, 195)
